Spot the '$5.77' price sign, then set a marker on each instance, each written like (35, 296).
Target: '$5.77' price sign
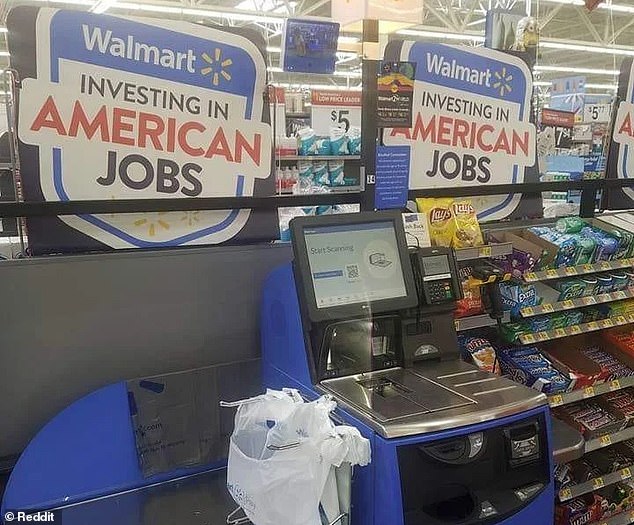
(335, 108)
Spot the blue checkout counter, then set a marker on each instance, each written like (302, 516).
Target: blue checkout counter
(450, 444)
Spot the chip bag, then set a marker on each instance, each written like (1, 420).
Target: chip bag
(466, 231)
(440, 218)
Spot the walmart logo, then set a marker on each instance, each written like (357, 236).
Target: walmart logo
(218, 67)
(502, 82)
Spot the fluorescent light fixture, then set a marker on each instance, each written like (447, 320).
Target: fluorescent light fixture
(201, 13)
(477, 22)
(102, 6)
(603, 5)
(318, 86)
(441, 35)
(4, 54)
(348, 74)
(613, 87)
(348, 40)
(3, 30)
(273, 49)
(550, 44)
(581, 70)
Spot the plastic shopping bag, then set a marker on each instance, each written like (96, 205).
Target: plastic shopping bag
(280, 455)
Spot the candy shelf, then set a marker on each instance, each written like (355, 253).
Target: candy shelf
(571, 304)
(483, 252)
(318, 157)
(557, 400)
(594, 484)
(571, 271)
(625, 518)
(609, 439)
(478, 321)
(593, 326)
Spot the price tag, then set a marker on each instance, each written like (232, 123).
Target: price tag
(565, 495)
(527, 338)
(548, 308)
(588, 392)
(560, 332)
(630, 318)
(620, 295)
(605, 265)
(589, 300)
(621, 319)
(552, 273)
(588, 268)
(605, 441)
(568, 304)
(529, 277)
(626, 473)
(604, 297)
(632, 515)
(607, 323)
(594, 113)
(615, 385)
(571, 270)
(592, 325)
(485, 251)
(543, 336)
(598, 483)
(625, 263)
(334, 108)
(528, 311)
(574, 330)
(556, 400)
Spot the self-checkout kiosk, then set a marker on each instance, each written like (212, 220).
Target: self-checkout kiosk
(360, 316)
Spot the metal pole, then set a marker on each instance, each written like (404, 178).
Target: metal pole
(369, 135)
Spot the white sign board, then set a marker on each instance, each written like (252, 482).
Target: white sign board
(335, 108)
(596, 113)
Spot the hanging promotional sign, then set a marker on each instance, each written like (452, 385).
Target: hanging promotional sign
(471, 122)
(568, 94)
(335, 108)
(118, 108)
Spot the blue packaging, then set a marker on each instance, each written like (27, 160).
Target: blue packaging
(518, 296)
(540, 323)
(322, 146)
(336, 173)
(320, 174)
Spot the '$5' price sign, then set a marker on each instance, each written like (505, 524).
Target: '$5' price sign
(335, 108)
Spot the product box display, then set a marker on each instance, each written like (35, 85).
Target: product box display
(526, 365)
(591, 418)
(569, 356)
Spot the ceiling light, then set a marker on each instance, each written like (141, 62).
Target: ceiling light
(438, 34)
(273, 49)
(4, 54)
(477, 22)
(3, 30)
(348, 74)
(582, 70)
(603, 86)
(318, 86)
(348, 40)
(204, 13)
(102, 6)
(589, 48)
(603, 5)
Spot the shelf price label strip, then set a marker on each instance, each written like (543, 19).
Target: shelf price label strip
(569, 304)
(564, 398)
(592, 326)
(602, 266)
(594, 484)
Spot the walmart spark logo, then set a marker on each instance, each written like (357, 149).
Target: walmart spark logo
(503, 82)
(217, 67)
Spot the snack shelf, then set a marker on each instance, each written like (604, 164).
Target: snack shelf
(557, 400)
(625, 518)
(478, 321)
(318, 157)
(571, 271)
(331, 189)
(609, 439)
(483, 252)
(592, 326)
(594, 484)
(571, 304)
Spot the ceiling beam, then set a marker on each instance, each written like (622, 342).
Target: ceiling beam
(439, 16)
(593, 30)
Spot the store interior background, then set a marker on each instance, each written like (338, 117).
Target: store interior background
(573, 41)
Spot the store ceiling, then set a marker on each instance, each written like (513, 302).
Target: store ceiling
(563, 23)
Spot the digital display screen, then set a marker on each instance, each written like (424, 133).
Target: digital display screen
(310, 46)
(354, 263)
(436, 265)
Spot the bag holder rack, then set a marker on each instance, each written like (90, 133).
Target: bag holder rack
(233, 518)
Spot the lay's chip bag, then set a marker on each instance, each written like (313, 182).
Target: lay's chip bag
(467, 231)
(440, 218)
